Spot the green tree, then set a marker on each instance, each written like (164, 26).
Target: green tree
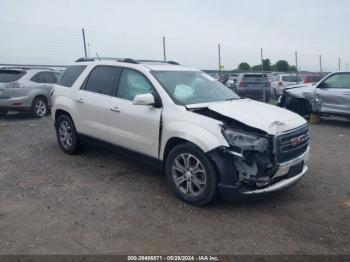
(292, 68)
(244, 66)
(274, 68)
(282, 66)
(256, 68)
(267, 64)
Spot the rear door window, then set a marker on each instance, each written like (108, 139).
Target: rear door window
(103, 80)
(7, 76)
(45, 77)
(70, 75)
(49, 77)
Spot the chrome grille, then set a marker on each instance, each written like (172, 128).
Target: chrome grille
(292, 144)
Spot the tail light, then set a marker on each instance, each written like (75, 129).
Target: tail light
(280, 83)
(241, 84)
(13, 85)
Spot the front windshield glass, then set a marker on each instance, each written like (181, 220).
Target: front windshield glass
(193, 87)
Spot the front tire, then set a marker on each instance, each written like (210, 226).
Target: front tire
(67, 136)
(300, 106)
(191, 175)
(39, 107)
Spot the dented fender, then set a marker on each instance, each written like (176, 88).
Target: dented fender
(201, 136)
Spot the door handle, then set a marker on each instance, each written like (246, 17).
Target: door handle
(115, 109)
(80, 100)
(346, 93)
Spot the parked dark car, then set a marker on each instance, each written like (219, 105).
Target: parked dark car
(254, 85)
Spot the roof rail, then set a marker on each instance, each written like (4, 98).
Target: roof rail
(173, 63)
(14, 67)
(158, 61)
(26, 68)
(125, 60)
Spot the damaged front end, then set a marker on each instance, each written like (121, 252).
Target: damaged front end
(255, 161)
(252, 155)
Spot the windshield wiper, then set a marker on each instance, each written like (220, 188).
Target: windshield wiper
(229, 99)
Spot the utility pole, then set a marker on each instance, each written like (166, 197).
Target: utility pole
(339, 62)
(219, 53)
(296, 65)
(262, 73)
(320, 57)
(164, 50)
(84, 41)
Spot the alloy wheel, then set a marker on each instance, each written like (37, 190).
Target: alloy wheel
(65, 134)
(40, 108)
(189, 174)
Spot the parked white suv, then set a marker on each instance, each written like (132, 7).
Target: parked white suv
(208, 140)
(280, 82)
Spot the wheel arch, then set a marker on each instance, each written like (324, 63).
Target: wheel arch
(59, 112)
(40, 96)
(171, 143)
(178, 132)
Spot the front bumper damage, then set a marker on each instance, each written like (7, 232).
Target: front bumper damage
(286, 175)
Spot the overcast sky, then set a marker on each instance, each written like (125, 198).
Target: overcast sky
(39, 31)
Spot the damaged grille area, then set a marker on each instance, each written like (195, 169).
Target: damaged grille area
(292, 144)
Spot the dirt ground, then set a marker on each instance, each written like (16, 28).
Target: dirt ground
(103, 202)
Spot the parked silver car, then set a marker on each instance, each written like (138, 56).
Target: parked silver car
(328, 97)
(26, 89)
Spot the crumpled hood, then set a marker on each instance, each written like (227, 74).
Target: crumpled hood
(301, 88)
(268, 118)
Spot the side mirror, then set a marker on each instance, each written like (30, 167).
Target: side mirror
(322, 85)
(144, 99)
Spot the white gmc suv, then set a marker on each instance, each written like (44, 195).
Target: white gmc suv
(207, 139)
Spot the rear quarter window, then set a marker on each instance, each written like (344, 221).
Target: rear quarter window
(70, 75)
(7, 76)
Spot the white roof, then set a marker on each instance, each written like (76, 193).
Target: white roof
(151, 65)
(169, 67)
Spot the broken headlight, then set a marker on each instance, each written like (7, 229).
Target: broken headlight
(245, 141)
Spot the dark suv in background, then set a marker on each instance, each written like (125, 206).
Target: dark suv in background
(254, 85)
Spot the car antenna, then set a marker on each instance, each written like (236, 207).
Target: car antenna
(98, 57)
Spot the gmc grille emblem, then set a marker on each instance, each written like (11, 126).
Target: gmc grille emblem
(297, 140)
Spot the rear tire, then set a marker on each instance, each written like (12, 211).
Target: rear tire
(191, 175)
(39, 107)
(67, 136)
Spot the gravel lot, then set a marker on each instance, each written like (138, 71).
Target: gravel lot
(102, 201)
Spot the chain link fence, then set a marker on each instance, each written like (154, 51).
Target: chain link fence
(33, 56)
